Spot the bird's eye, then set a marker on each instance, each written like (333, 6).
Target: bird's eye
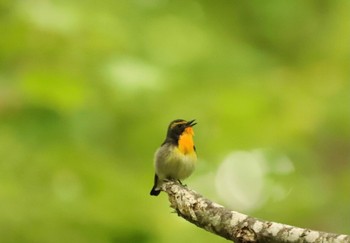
(179, 126)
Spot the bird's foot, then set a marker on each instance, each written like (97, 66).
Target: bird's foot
(181, 183)
(169, 179)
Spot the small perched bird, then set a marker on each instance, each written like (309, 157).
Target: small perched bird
(176, 158)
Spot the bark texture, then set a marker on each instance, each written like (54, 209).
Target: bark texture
(237, 226)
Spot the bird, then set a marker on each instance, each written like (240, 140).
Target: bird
(176, 158)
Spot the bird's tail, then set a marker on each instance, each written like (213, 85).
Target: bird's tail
(155, 190)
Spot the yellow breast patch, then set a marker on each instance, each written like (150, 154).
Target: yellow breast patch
(186, 144)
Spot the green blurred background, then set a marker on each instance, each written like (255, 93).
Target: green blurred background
(87, 89)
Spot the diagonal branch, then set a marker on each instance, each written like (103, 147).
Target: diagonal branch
(236, 226)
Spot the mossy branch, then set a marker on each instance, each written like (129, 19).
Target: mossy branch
(237, 226)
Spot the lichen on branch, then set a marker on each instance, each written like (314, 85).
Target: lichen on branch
(237, 226)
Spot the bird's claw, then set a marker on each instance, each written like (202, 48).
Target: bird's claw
(174, 180)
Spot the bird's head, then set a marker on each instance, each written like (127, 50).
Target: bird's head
(178, 127)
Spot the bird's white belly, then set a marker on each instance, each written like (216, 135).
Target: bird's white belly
(176, 165)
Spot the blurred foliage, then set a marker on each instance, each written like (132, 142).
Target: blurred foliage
(87, 89)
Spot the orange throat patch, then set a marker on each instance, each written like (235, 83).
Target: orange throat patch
(186, 144)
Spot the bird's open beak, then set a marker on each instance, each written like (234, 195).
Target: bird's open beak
(191, 123)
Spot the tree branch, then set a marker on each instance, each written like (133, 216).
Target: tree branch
(236, 226)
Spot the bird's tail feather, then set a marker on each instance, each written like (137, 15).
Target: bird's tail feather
(155, 190)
